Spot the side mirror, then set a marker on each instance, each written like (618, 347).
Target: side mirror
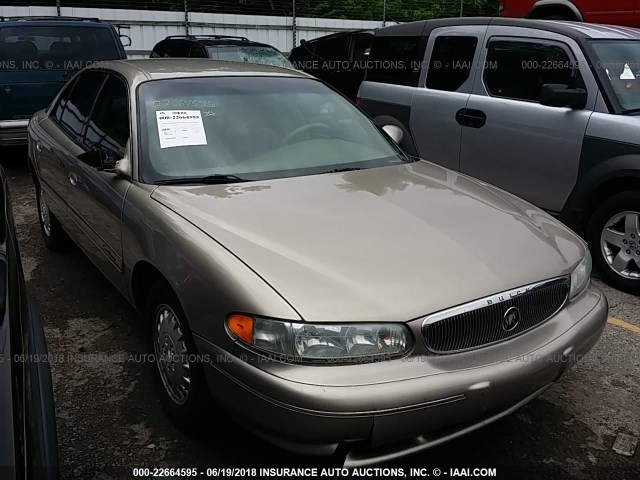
(394, 132)
(558, 95)
(128, 40)
(123, 36)
(99, 159)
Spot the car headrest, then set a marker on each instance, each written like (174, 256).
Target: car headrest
(60, 48)
(23, 49)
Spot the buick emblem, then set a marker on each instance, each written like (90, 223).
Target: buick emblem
(510, 319)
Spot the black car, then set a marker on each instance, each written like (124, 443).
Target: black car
(339, 59)
(28, 444)
(220, 47)
(37, 57)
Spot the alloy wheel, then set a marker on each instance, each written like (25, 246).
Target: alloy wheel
(171, 354)
(620, 244)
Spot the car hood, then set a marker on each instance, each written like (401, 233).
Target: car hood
(384, 244)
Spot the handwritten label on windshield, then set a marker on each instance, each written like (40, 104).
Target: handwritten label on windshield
(180, 128)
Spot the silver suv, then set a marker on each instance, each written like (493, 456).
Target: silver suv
(546, 110)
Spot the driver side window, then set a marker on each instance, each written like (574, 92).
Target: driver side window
(518, 69)
(75, 113)
(108, 127)
(62, 101)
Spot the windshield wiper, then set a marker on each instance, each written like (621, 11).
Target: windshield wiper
(631, 111)
(208, 179)
(345, 169)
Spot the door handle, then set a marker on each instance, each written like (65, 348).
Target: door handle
(73, 180)
(38, 147)
(468, 117)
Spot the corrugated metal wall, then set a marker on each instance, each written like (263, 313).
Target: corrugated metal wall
(147, 27)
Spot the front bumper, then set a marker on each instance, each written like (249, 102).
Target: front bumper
(386, 410)
(13, 132)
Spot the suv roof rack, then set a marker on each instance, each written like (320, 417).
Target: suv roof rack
(214, 37)
(51, 18)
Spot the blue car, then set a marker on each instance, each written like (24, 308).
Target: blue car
(37, 57)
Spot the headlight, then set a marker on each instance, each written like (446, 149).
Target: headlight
(581, 276)
(321, 343)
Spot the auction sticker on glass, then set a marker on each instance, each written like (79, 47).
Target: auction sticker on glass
(180, 128)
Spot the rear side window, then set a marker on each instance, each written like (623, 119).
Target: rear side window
(197, 52)
(158, 51)
(56, 47)
(396, 60)
(334, 48)
(78, 107)
(518, 70)
(451, 62)
(304, 52)
(108, 127)
(177, 49)
(172, 48)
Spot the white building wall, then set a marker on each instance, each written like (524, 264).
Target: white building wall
(147, 27)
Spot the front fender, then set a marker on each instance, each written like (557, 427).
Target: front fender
(541, 4)
(209, 281)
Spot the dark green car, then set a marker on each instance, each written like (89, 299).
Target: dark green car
(38, 55)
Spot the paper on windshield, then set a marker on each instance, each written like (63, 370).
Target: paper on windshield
(180, 128)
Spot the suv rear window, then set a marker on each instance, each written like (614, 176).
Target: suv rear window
(396, 60)
(59, 47)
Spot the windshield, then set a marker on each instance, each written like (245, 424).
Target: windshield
(250, 54)
(621, 61)
(253, 128)
(55, 47)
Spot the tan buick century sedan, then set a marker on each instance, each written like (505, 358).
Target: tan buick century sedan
(297, 269)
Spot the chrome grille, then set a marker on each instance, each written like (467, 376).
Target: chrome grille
(483, 322)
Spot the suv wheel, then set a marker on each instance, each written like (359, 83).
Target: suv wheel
(177, 370)
(614, 239)
(54, 236)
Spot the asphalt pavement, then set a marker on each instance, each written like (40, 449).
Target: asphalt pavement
(110, 421)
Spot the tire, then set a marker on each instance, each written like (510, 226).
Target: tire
(187, 408)
(54, 236)
(614, 243)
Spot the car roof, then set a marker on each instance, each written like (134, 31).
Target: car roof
(227, 42)
(52, 21)
(217, 40)
(575, 30)
(138, 71)
(341, 34)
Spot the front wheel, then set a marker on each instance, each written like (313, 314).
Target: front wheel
(178, 371)
(614, 239)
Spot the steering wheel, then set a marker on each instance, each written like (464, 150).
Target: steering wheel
(298, 132)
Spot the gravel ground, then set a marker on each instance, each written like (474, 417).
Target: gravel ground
(109, 419)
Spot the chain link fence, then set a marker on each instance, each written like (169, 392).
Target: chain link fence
(285, 22)
(378, 10)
